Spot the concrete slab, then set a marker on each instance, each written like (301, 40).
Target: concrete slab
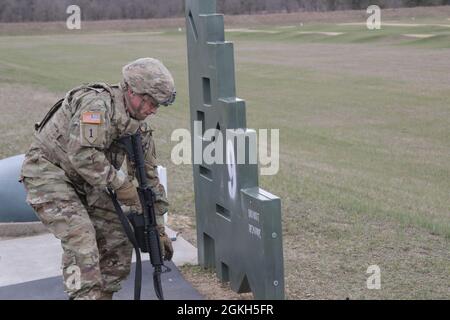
(184, 252)
(30, 266)
(30, 258)
(174, 286)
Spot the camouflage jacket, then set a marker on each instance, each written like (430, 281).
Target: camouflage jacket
(77, 144)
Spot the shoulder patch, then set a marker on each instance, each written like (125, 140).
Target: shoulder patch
(91, 117)
(92, 128)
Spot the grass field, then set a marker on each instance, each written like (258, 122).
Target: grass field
(364, 119)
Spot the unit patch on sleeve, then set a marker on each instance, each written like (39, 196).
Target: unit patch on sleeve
(92, 129)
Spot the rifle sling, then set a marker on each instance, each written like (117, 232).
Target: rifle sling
(130, 234)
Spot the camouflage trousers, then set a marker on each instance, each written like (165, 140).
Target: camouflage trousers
(96, 251)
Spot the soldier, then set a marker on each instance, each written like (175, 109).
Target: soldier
(73, 159)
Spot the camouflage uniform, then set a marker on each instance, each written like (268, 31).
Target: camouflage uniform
(72, 160)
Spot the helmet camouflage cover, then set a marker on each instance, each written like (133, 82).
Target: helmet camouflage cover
(150, 76)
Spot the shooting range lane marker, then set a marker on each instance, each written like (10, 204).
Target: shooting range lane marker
(419, 36)
(252, 31)
(321, 33)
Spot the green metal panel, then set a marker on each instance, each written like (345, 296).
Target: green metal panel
(238, 224)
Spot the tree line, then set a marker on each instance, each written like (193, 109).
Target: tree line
(55, 10)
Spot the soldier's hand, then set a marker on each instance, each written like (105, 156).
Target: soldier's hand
(127, 195)
(166, 244)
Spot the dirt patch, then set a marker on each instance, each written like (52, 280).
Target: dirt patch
(184, 226)
(206, 282)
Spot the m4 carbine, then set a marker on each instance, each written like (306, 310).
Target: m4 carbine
(145, 234)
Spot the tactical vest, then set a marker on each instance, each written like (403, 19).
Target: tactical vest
(52, 132)
(98, 87)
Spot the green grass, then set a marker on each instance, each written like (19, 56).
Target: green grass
(364, 157)
(351, 34)
(365, 170)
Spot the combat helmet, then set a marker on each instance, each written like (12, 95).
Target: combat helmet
(150, 76)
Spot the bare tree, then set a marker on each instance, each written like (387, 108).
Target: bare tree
(51, 10)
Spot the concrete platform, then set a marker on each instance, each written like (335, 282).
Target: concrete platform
(174, 287)
(30, 270)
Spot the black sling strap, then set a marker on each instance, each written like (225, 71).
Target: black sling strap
(39, 125)
(130, 234)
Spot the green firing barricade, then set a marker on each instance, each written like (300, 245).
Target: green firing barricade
(238, 224)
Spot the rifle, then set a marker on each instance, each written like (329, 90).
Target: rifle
(145, 235)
